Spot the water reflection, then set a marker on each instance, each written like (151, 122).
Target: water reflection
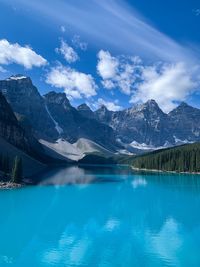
(82, 175)
(138, 182)
(143, 220)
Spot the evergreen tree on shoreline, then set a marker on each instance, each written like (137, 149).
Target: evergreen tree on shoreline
(17, 171)
(185, 158)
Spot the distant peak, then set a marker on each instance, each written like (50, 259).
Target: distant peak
(149, 106)
(55, 94)
(83, 107)
(151, 102)
(103, 107)
(85, 111)
(16, 77)
(183, 104)
(183, 107)
(58, 98)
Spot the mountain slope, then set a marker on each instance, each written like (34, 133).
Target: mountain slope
(74, 125)
(31, 166)
(12, 131)
(145, 123)
(25, 100)
(52, 117)
(89, 147)
(185, 123)
(63, 150)
(15, 141)
(85, 111)
(142, 127)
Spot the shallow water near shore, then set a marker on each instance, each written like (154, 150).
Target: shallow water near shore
(102, 216)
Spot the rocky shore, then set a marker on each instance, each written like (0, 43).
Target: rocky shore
(9, 185)
(163, 171)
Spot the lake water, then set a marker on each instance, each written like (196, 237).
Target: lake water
(105, 217)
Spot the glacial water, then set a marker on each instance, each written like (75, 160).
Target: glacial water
(105, 217)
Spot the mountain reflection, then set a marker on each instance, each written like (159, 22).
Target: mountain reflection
(82, 175)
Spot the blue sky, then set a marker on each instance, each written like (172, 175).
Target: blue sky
(112, 52)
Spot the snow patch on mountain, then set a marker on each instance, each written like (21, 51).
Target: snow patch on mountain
(182, 142)
(16, 77)
(57, 127)
(144, 146)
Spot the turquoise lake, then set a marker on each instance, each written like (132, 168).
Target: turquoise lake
(102, 216)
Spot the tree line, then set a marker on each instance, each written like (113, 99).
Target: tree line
(13, 170)
(185, 158)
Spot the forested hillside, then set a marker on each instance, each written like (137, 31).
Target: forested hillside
(185, 158)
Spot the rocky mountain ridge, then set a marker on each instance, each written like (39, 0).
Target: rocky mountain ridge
(143, 126)
(51, 116)
(148, 124)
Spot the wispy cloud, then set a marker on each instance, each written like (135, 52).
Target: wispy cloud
(196, 11)
(111, 23)
(62, 28)
(78, 43)
(68, 52)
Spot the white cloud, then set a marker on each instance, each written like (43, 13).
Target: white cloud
(114, 106)
(107, 65)
(62, 28)
(22, 55)
(75, 84)
(117, 72)
(166, 84)
(68, 52)
(76, 40)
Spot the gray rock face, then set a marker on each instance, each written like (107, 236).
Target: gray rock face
(10, 129)
(52, 117)
(147, 123)
(85, 111)
(25, 100)
(74, 124)
(13, 132)
(185, 122)
(105, 116)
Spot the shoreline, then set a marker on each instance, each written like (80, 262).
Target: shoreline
(163, 171)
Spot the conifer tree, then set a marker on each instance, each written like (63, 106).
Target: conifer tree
(17, 171)
(185, 158)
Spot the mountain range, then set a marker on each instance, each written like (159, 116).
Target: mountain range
(49, 126)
